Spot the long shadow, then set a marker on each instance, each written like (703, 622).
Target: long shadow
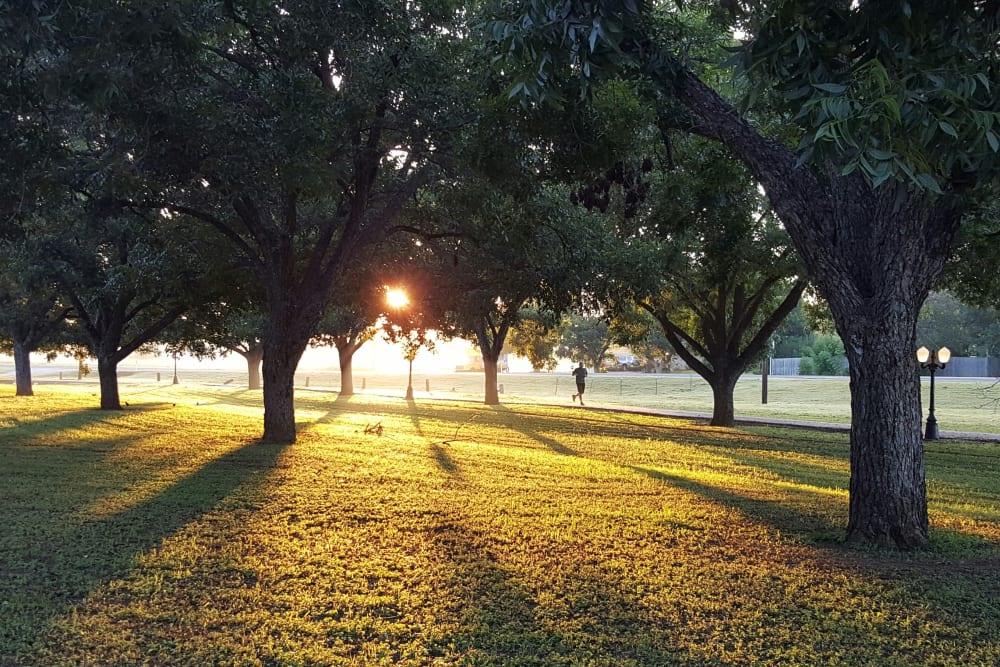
(797, 471)
(774, 513)
(62, 561)
(341, 404)
(444, 460)
(16, 431)
(411, 406)
(502, 622)
(518, 424)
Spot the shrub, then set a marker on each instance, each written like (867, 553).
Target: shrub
(824, 357)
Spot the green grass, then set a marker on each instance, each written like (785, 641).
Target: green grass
(466, 535)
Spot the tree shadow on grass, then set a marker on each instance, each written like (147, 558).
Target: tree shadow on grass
(506, 618)
(775, 513)
(444, 459)
(519, 425)
(59, 560)
(413, 412)
(17, 432)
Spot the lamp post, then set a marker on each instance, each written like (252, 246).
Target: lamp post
(397, 299)
(932, 360)
(176, 381)
(410, 356)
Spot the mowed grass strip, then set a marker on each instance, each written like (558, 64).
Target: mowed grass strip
(468, 535)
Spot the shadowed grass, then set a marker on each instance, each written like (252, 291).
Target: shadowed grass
(467, 535)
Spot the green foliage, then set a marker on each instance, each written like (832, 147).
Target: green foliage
(654, 351)
(793, 335)
(824, 357)
(817, 312)
(891, 90)
(872, 95)
(535, 336)
(32, 311)
(719, 270)
(587, 339)
(971, 274)
(965, 330)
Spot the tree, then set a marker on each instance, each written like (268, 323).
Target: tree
(352, 315)
(894, 109)
(512, 249)
(971, 274)
(793, 336)
(31, 310)
(725, 273)
(412, 315)
(34, 150)
(127, 282)
(296, 131)
(535, 336)
(219, 327)
(653, 351)
(587, 338)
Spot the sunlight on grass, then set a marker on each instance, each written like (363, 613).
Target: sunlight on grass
(467, 535)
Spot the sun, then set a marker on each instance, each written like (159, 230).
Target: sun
(396, 298)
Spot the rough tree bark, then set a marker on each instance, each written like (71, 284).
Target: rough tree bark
(723, 387)
(107, 373)
(290, 325)
(491, 337)
(254, 357)
(345, 352)
(491, 387)
(280, 363)
(22, 369)
(874, 254)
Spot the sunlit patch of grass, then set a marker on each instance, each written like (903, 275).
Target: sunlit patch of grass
(467, 534)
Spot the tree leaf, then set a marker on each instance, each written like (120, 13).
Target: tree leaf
(991, 138)
(928, 182)
(834, 88)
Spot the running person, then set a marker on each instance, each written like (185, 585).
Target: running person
(580, 373)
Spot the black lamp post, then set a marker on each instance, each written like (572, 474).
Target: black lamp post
(932, 360)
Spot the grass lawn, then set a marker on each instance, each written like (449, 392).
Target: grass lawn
(960, 404)
(466, 535)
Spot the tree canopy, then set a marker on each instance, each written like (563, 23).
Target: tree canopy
(893, 123)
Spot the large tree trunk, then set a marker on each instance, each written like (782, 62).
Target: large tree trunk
(491, 390)
(723, 411)
(491, 336)
(874, 253)
(107, 372)
(875, 285)
(22, 369)
(254, 358)
(281, 358)
(346, 355)
(888, 494)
